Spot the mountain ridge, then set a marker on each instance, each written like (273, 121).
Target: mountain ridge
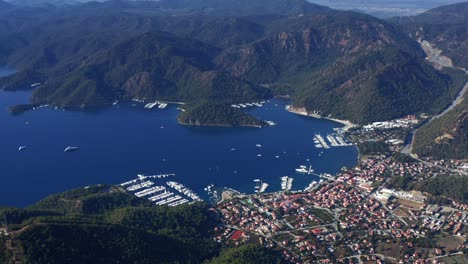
(336, 62)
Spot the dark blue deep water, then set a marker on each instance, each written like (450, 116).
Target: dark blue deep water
(119, 142)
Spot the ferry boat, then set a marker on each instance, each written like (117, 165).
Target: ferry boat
(70, 149)
(258, 145)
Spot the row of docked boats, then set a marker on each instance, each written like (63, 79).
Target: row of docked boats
(260, 186)
(286, 183)
(312, 185)
(160, 105)
(181, 188)
(246, 105)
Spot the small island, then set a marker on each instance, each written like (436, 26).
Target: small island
(217, 114)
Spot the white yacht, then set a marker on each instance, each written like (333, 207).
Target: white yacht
(70, 149)
(302, 169)
(22, 148)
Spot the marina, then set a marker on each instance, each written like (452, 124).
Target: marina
(159, 191)
(334, 140)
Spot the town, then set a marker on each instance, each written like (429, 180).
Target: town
(371, 213)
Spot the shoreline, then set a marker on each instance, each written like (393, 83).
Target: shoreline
(303, 112)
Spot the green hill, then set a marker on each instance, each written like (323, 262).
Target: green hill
(105, 225)
(215, 114)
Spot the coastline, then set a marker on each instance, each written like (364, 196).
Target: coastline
(302, 111)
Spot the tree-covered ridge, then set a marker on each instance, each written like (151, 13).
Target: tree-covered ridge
(106, 225)
(216, 114)
(446, 136)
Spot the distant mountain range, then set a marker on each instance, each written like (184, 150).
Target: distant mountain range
(343, 64)
(445, 27)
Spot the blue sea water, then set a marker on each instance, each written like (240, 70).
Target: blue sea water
(117, 143)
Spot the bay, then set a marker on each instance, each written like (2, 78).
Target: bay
(119, 142)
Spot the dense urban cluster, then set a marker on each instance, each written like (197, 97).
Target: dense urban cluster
(365, 214)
